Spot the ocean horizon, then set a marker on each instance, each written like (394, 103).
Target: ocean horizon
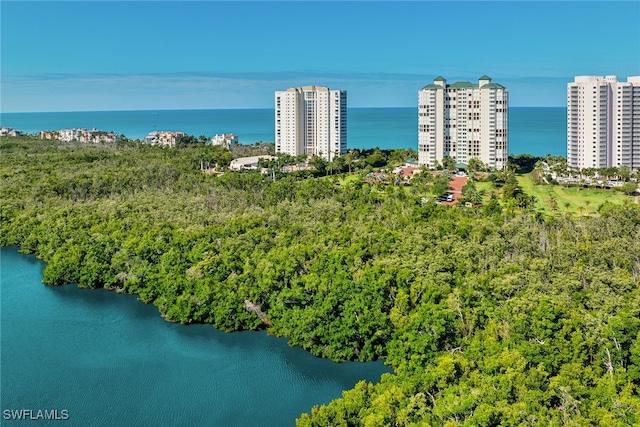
(533, 130)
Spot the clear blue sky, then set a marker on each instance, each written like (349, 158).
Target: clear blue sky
(123, 55)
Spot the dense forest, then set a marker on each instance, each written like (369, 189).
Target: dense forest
(488, 316)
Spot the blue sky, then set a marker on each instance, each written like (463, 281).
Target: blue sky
(123, 55)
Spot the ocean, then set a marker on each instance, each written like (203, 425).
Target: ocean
(532, 130)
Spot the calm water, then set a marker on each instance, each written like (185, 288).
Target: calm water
(111, 360)
(535, 131)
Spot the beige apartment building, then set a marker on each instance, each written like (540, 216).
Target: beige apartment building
(463, 120)
(603, 122)
(311, 120)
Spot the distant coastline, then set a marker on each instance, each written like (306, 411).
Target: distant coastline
(534, 130)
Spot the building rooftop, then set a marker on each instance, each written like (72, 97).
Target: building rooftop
(492, 86)
(463, 85)
(252, 159)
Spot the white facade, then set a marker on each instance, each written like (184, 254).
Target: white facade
(82, 135)
(603, 122)
(163, 138)
(68, 135)
(463, 120)
(152, 138)
(226, 140)
(7, 131)
(249, 162)
(311, 120)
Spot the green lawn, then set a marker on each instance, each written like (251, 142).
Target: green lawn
(573, 200)
(487, 187)
(350, 178)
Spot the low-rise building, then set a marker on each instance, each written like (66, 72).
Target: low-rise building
(49, 134)
(169, 139)
(151, 138)
(163, 138)
(7, 131)
(94, 135)
(248, 162)
(227, 140)
(68, 135)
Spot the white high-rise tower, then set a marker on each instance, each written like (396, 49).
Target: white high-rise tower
(311, 120)
(463, 120)
(603, 122)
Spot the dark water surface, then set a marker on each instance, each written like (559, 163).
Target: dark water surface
(110, 360)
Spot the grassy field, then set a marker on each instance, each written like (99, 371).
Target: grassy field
(569, 200)
(486, 187)
(572, 200)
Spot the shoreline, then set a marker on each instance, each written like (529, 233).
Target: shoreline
(535, 130)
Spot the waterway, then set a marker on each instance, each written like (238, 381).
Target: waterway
(108, 359)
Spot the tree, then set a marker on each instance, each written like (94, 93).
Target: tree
(512, 192)
(524, 162)
(337, 164)
(493, 206)
(186, 140)
(349, 159)
(609, 172)
(471, 193)
(629, 188)
(486, 317)
(449, 163)
(475, 165)
(440, 185)
(624, 172)
(319, 163)
(376, 159)
(557, 164)
(588, 172)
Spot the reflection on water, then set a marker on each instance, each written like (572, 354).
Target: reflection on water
(111, 360)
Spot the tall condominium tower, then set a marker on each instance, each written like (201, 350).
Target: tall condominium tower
(603, 122)
(463, 120)
(311, 120)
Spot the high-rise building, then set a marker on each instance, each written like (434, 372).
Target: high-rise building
(311, 120)
(463, 120)
(603, 122)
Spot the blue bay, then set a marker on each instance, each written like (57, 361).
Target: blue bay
(111, 360)
(533, 130)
